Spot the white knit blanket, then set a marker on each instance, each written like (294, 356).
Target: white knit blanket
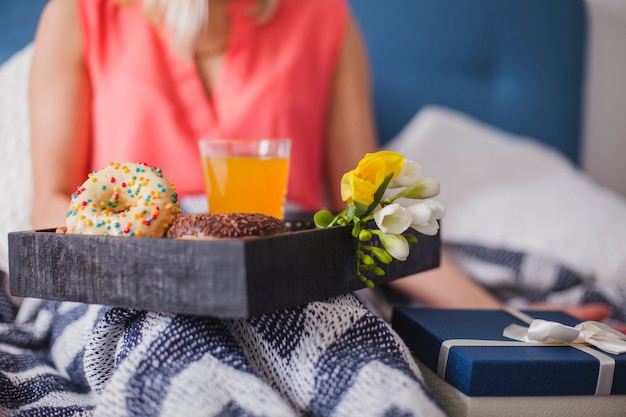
(330, 358)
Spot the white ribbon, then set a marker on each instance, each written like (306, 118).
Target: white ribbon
(588, 332)
(549, 333)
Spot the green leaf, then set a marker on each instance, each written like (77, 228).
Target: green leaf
(323, 218)
(378, 195)
(356, 227)
(356, 209)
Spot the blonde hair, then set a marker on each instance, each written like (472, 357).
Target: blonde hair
(183, 20)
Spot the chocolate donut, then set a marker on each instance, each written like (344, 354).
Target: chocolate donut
(224, 225)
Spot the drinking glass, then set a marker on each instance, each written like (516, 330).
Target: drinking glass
(246, 175)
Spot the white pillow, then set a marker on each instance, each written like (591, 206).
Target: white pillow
(512, 192)
(16, 176)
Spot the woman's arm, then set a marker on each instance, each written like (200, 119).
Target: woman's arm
(446, 287)
(350, 130)
(59, 97)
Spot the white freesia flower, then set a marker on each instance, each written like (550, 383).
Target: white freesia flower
(393, 219)
(421, 189)
(396, 245)
(424, 216)
(409, 173)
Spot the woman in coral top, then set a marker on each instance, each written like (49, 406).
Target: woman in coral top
(142, 82)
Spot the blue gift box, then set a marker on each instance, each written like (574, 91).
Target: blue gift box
(518, 370)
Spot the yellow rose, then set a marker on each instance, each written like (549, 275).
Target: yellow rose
(360, 184)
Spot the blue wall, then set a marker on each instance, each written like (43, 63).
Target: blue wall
(18, 23)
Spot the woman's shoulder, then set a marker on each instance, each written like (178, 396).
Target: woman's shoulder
(60, 12)
(58, 33)
(67, 16)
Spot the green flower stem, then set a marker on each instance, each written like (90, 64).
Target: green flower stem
(356, 227)
(360, 266)
(369, 283)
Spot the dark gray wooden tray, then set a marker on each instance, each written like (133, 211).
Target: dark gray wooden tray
(236, 278)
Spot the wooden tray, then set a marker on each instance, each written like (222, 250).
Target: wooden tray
(236, 278)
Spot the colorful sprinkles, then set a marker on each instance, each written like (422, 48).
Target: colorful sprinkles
(123, 199)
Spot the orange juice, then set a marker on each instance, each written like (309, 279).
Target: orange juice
(246, 184)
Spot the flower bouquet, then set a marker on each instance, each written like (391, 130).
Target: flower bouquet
(374, 212)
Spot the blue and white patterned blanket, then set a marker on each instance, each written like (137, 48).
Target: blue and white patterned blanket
(331, 358)
(520, 279)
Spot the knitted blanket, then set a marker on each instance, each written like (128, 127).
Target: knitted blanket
(523, 278)
(331, 358)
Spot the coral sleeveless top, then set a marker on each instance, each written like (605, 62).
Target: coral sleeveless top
(149, 104)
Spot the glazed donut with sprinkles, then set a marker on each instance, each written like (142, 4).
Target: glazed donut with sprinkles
(123, 199)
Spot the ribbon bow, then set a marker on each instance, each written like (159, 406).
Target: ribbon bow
(588, 332)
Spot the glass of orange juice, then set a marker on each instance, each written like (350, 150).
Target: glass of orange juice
(246, 175)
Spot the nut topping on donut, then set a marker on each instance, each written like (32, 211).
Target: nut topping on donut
(123, 199)
(225, 225)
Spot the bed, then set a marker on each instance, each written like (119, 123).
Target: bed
(507, 103)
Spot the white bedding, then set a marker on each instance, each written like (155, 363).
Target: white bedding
(15, 182)
(511, 192)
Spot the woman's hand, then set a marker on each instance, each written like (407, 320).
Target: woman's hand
(587, 312)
